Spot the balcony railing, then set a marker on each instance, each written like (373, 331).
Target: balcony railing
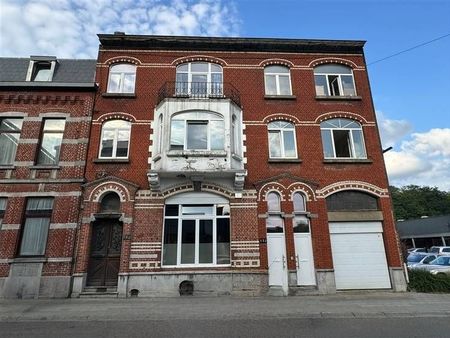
(199, 90)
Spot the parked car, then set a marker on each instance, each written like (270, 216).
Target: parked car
(440, 250)
(439, 266)
(419, 258)
(417, 250)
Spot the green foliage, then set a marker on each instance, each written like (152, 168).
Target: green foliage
(424, 281)
(413, 201)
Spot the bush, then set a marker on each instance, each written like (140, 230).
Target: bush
(424, 281)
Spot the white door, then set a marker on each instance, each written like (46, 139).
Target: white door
(304, 258)
(359, 257)
(277, 260)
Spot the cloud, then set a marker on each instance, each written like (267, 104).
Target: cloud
(424, 159)
(392, 131)
(68, 28)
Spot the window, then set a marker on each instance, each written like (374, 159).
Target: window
(342, 138)
(351, 200)
(2, 209)
(110, 202)
(35, 230)
(9, 138)
(115, 139)
(282, 140)
(196, 235)
(334, 80)
(301, 221)
(197, 131)
(160, 131)
(274, 222)
(122, 78)
(42, 71)
(199, 79)
(277, 80)
(52, 135)
(235, 132)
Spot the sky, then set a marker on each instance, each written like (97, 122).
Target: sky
(410, 91)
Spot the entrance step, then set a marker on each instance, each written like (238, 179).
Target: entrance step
(303, 291)
(276, 291)
(99, 292)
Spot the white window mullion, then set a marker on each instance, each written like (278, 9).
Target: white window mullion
(214, 243)
(332, 142)
(352, 144)
(328, 86)
(115, 140)
(277, 81)
(282, 143)
(197, 241)
(180, 222)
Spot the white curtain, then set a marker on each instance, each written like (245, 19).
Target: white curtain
(39, 204)
(34, 238)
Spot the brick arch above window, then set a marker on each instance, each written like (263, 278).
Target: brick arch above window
(199, 58)
(276, 62)
(272, 187)
(281, 117)
(116, 116)
(104, 188)
(352, 185)
(323, 61)
(341, 114)
(123, 59)
(302, 188)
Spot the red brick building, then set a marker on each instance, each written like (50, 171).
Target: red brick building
(234, 166)
(45, 113)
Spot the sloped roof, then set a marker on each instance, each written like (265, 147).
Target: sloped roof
(436, 225)
(68, 72)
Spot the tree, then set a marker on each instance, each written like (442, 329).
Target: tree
(413, 201)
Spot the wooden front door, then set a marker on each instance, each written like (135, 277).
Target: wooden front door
(104, 260)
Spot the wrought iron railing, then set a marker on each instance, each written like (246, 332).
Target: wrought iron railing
(199, 90)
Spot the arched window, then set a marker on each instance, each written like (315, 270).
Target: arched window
(301, 221)
(282, 142)
(199, 79)
(197, 131)
(334, 80)
(110, 202)
(122, 78)
(277, 80)
(351, 200)
(115, 139)
(274, 222)
(342, 138)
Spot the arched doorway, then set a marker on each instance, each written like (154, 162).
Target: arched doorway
(106, 244)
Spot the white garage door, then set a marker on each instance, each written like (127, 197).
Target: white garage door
(359, 257)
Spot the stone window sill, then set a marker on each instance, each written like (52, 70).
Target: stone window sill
(111, 160)
(6, 167)
(196, 153)
(285, 160)
(338, 98)
(280, 97)
(347, 160)
(45, 167)
(119, 95)
(36, 259)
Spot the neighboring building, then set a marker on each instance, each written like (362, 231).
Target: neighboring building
(45, 113)
(425, 232)
(242, 166)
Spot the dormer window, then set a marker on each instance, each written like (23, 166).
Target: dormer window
(41, 69)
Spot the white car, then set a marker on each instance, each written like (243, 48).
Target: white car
(416, 259)
(440, 266)
(440, 250)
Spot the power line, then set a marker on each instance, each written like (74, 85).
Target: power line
(411, 48)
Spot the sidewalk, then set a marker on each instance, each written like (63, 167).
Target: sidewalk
(342, 305)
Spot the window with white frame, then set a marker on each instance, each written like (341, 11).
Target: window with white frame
(342, 138)
(35, 230)
(160, 133)
(197, 131)
(199, 79)
(274, 221)
(236, 137)
(115, 141)
(196, 235)
(42, 71)
(50, 143)
(2, 209)
(334, 80)
(277, 80)
(10, 129)
(282, 143)
(122, 78)
(301, 221)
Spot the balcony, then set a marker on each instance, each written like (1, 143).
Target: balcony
(199, 90)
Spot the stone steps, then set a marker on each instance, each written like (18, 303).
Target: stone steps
(99, 292)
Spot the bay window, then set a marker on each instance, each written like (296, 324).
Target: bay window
(197, 131)
(342, 138)
(196, 235)
(35, 230)
(10, 129)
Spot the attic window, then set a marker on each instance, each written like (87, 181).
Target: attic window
(41, 70)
